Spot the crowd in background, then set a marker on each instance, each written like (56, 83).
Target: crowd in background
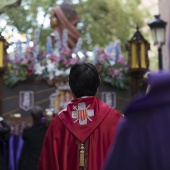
(20, 144)
(142, 141)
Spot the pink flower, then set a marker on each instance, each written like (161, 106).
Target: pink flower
(17, 60)
(73, 61)
(24, 61)
(30, 49)
(31, 59)
(30, 72)
(111, 72)
(106, 55)
(53, 58)
(114, 73)
(121, 60)
(67, 63)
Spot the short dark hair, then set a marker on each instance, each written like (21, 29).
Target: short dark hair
(37, 113)
(84, 79)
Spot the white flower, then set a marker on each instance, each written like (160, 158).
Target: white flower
(56, 52)
(38, 68)
(58, 72)
(67, 71)
(51, 75)
(50, 66)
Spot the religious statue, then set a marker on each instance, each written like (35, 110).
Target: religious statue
(64, 20)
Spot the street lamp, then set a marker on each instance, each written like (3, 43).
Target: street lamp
(158, 29)
(138, 59)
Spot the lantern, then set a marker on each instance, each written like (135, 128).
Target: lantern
(2, 51)
(158, 29)
(138, 59)
(3, 47)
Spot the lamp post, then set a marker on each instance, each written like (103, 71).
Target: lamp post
(3, 47)
(138, 59)
(158, 29)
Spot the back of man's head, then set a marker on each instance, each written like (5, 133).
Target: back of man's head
(37, 113)
(84, 79)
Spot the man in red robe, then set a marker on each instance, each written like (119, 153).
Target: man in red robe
(78, 138)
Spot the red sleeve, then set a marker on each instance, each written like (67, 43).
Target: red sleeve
(49, 157)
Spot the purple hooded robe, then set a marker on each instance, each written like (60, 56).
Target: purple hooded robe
(143, 139)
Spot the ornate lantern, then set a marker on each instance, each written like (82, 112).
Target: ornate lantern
(138, 59)
(2, 52)
(3, 47)
(158, 29)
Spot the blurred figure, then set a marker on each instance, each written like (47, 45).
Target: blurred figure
(143, 140)
(80, 135)
(32, 140)
(4, 133)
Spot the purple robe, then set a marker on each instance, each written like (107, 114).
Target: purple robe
(143, 139)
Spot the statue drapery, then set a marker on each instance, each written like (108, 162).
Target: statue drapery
(64, 17)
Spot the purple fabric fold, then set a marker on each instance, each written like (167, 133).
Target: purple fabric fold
(15, 146)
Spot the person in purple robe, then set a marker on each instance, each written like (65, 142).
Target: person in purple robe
(143, 138)
(4, 135)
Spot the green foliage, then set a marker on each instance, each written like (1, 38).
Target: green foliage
(14, 73)
(107, 20)
(102, 21)
(24, 18)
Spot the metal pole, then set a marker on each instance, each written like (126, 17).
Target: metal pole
(1, 91)
(160, 57)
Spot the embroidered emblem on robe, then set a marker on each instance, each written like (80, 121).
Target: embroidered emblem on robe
(81, 113)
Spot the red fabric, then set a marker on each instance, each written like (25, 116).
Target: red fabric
(60, 147)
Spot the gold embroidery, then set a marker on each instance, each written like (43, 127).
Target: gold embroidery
(82, 155)
(85, 145)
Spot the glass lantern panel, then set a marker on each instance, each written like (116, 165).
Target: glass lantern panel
(1, 54)
(154, 35)
(134, 56)
(160, 34)
(143, 55)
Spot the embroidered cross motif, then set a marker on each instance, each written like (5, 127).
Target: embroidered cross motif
(82, 113)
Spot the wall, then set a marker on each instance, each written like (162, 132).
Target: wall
(42, 92)
(164, 6)
(10, 101)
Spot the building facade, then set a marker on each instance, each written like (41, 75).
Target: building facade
(164, 10)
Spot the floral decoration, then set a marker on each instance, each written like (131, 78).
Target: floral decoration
(49, 65)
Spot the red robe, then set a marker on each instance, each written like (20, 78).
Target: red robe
(61, 149)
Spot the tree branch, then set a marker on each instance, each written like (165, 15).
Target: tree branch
(15, 4)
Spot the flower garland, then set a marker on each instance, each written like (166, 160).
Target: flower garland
(50, 64)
